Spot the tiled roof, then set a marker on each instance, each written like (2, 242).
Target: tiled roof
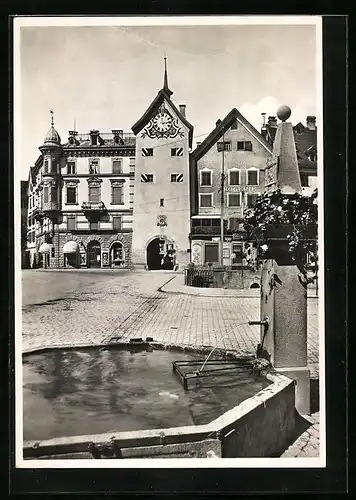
(104, 141)
(222, 127)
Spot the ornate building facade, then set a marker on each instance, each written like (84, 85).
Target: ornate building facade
(81, 201)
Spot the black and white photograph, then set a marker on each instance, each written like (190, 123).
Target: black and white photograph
(168, 187)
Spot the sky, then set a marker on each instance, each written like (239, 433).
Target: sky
(105, 77)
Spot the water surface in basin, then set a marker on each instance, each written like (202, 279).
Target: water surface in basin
(76, 392)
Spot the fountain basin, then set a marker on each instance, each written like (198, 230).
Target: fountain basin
(245, 415)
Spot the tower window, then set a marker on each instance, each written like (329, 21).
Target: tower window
(146, 177)
(45, 167)
(176, 177)
(94, 225)
(45, 195)
(176, 151)
(161, 202)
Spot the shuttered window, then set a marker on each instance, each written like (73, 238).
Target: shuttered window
(117, 195)
(251, 199)
(234, 177)
(252, 177)
(117, 167)
(94, 194)
(205, 179)
(71, 195)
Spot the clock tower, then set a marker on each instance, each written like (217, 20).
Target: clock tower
(161, 213)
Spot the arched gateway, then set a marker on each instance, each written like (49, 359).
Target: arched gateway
(160, 254)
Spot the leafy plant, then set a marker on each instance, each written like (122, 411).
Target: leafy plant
(300, 212)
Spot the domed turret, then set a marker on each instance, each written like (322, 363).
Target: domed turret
(52, 138)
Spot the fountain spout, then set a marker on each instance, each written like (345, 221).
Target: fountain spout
(208, 357)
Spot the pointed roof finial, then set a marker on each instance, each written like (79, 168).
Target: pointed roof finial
(165, 81)
(52, 120)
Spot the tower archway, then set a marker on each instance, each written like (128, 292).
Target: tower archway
(160, 254)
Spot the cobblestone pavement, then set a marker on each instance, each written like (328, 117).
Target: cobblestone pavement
(308, 443)
(78, 307)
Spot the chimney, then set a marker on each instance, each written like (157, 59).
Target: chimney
(218, 122)
(272, 121)
(263, 128)
(94, 134)
(311, 122)
(182, 109)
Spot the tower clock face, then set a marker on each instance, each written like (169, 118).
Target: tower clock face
(162, 122)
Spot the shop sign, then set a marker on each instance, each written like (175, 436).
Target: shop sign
(239, 189)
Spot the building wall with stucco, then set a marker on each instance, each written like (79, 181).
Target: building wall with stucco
(162, 197)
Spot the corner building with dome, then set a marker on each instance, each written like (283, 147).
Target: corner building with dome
(80, 201)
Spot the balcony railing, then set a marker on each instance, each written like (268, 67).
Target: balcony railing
(88, 206)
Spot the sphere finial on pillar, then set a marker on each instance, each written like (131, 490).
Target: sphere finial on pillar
(284, 112)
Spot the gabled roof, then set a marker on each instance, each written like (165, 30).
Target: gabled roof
(145, 118)
(222, 127)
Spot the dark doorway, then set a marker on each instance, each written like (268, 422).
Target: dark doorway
(155, 254)
(94, 254)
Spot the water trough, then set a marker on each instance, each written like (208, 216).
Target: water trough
(258, 424)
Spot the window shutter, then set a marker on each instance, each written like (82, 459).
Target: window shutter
(117, 166)
(94, 194)
(117, 198)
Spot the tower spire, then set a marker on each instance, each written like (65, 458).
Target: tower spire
(52, 120)
(165, 80)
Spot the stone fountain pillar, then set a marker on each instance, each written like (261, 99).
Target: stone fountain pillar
(283, 296)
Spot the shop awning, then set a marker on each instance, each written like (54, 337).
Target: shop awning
(44, 248)
(70, 247)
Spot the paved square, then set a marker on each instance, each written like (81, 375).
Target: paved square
(77, 307)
